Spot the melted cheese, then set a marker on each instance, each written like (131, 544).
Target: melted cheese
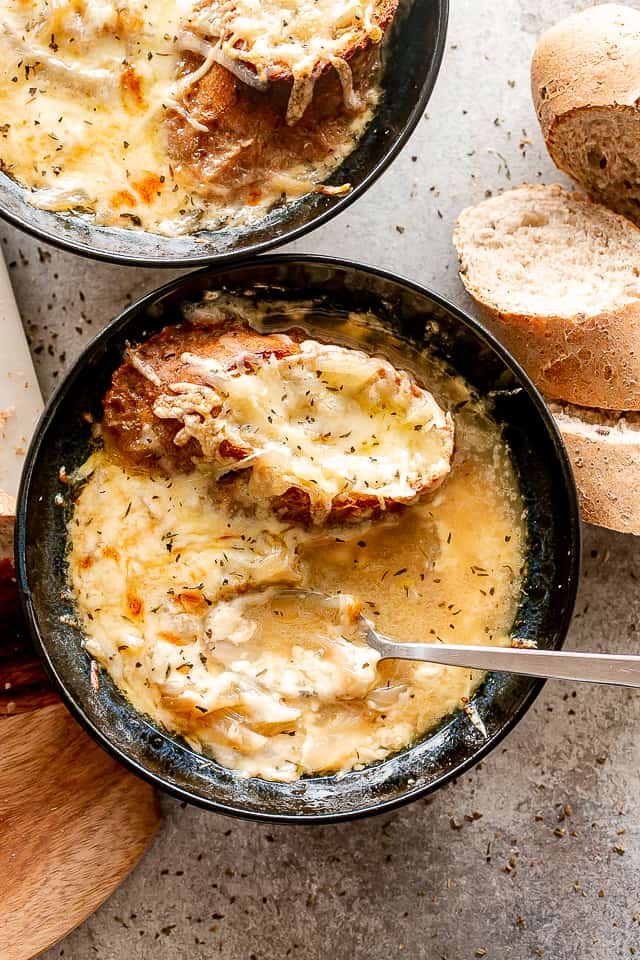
(87, 88)
(178, 592)
(82, 88)
(329, 421)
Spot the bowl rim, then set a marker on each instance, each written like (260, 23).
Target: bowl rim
(288, 236)
(573, 524)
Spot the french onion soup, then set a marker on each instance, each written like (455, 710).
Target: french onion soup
(184, 115)
(234, 464)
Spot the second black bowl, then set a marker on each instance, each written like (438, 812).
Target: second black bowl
(417, 317)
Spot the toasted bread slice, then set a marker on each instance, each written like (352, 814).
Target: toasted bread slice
(585, 81)
(320, 432)
(296, 41)
(605, 453)
(558, 280)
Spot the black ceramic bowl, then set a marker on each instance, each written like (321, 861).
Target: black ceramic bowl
(418, 317)
(412, 58)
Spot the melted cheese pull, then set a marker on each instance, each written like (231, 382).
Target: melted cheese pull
(331, 422)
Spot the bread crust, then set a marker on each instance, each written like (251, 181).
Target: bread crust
(130, 425)
(590, 360)
(607, 474)
(584, 65)
(247, 138)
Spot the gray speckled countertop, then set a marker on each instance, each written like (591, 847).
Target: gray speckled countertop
(534, 853)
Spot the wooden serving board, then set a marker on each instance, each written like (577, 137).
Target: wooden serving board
(73, 822)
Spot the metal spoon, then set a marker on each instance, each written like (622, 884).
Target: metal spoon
(619, 669)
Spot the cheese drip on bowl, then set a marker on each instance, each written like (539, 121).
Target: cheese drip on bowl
(179, 577)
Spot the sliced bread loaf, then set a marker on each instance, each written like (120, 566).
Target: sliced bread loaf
(585, 79)
(605, 453)
(558, 280)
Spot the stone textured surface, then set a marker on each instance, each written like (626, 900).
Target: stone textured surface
(537, 852)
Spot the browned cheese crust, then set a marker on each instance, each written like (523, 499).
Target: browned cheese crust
(142, 439)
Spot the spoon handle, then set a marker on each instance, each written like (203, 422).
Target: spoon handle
(618, 669)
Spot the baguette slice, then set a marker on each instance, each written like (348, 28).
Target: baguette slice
(605, 454)
(585, 80)
(558, 281)
(319, 432)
